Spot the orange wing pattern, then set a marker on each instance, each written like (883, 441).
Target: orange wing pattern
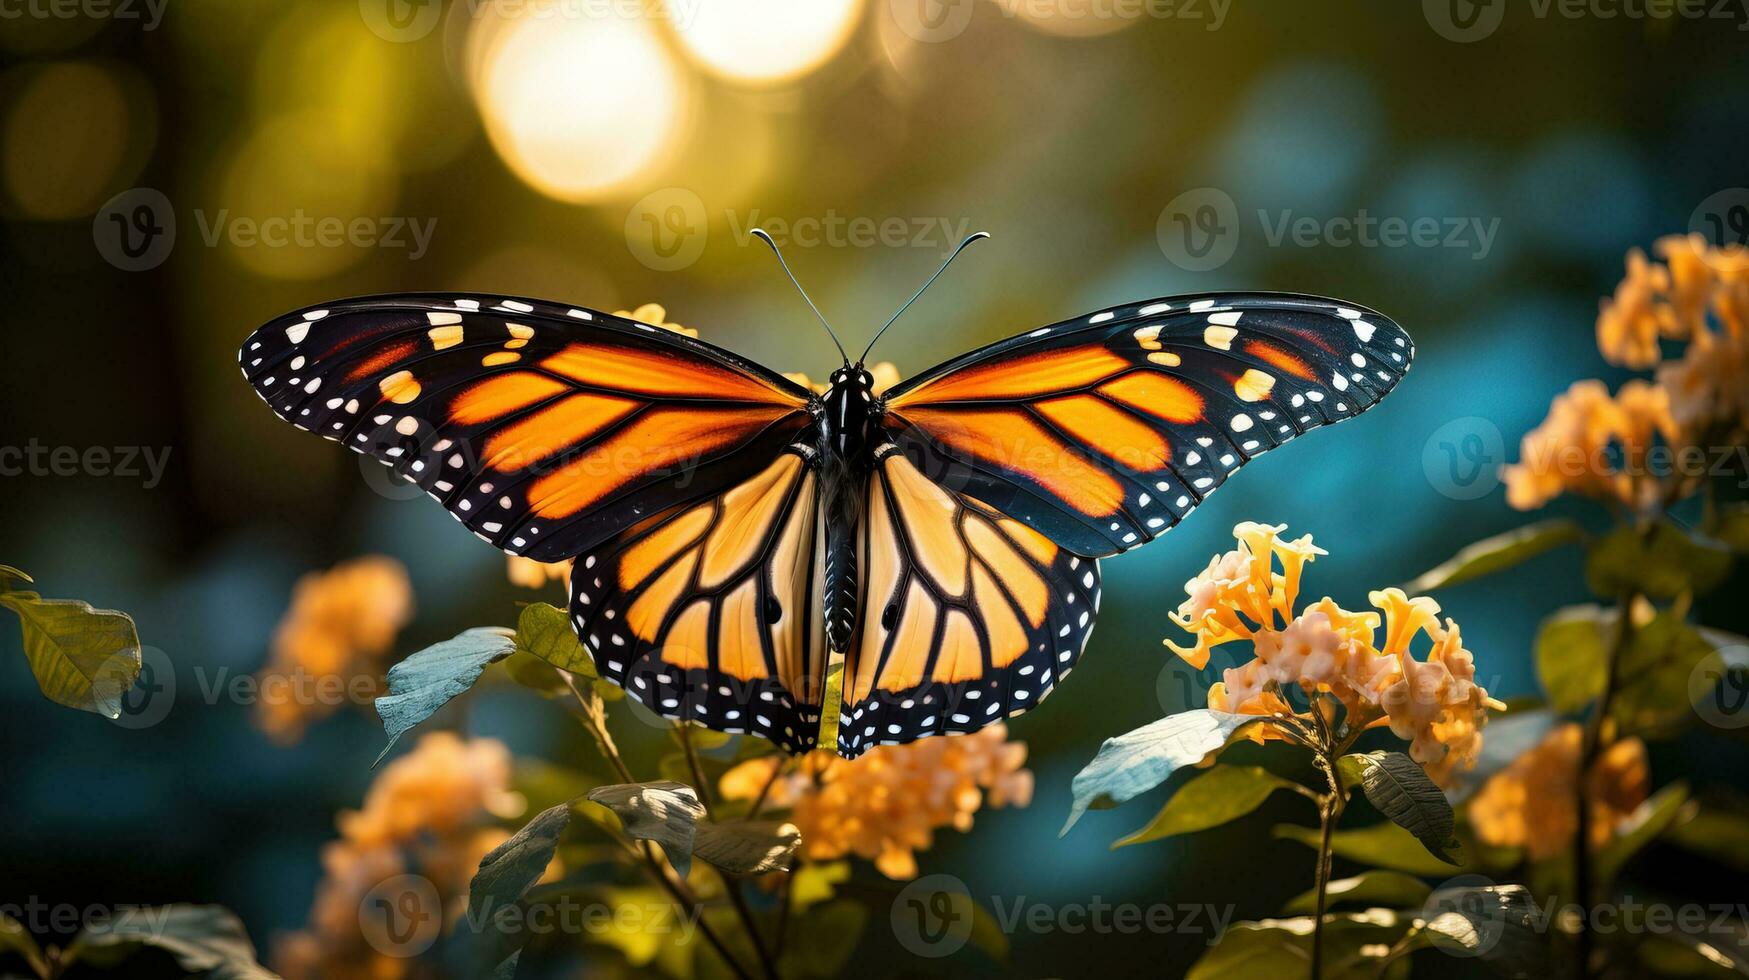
(711, 612)
(1104, 432)
(545, 429)
(968, 616)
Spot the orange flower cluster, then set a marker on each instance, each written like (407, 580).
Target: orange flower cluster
(329, 647)
(1596, 446)
(1530, 803)
(428, 813)
(656, 315)
(886, 806)
(1599, 446)
(1434, 703)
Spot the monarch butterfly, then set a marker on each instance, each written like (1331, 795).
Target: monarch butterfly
(735, 534)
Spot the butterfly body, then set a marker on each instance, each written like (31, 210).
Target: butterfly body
(734, 534)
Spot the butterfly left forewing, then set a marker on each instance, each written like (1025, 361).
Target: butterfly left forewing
(967, 615)
(711, 612)
(544, 428)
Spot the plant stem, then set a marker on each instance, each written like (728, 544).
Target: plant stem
(1583, 885)
(1330, 808)
(697, 768)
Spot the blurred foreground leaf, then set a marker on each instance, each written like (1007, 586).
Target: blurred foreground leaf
(429, 679)
(1210, 799)
(205, 939)
(1402, 791)
(1383, 845)
(1497, 554)
(1661, 660)
(1355, 944)
(1500, 924)
(14, 938)
(82, 657)
(1133, 763)
(1391, 889)
(504, 877)
(1572, 652)
(1649, 821)
(664, 811)
(1661, 562)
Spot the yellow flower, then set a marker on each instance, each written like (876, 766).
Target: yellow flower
(886, 805)
(531, 574)
(656, 316)
(330, 645)
(1434, 703)
(1530, 803)
(428, 812)
(1596, 446)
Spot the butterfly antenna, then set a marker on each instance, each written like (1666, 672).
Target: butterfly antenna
(792, 278)
(962, 247)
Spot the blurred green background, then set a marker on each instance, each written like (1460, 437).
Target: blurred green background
(620, 157)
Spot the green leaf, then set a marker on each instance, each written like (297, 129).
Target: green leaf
(815, 882)
(747, 847)
(1208, 800)
(1382, 845)
(426, 681)
(825, 938)
(664, 811)
(504, 877)
(1497, 554)
(1717, 833)
(536, 674)
(205, 939)
(545, 632)
(1662, 658)
(13, 937)
(1661, 562)
(1649, 821)
(8, 575)
(82, 657)
(1392, 889)
(1708, 954)
(1275, 949)
(1572, 652)
(1135, 762)
(1500, 924)
(1402, 791)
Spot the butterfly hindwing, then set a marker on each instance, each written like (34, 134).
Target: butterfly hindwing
(968, 616)
(711, 612)
(544, 428)
(1105, 431)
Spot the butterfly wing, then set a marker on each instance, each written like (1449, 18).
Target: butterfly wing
(968, 615)
(711, 612)
(545, 429)
(1105, 431)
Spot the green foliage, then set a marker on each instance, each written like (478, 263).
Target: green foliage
(1497, 554)
(1383, 845)
(1133, 763)
(545, 633)
(1658, 814)
(204, 939)
(429, 679)
(1402, 791)
(1390, 889)
(504, 878)
(14, 938)
(1210, 799)
(1499, 924)
(1572, 656)
(1654, 674)
(82, 657)
(1662, 562)
(1274, 949)
(665, 812)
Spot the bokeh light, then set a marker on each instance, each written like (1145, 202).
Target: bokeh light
(579, 107)
(765, 42)
(1074, 18)
(73, 136)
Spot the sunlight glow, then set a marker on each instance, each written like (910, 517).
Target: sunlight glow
(765, 42)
